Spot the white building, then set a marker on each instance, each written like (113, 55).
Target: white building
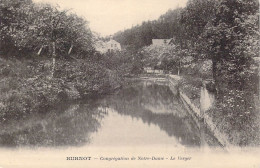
(110, 46)
(113, 45)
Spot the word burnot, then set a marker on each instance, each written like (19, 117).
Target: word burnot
(78, 158)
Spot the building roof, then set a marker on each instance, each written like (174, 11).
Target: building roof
(112, 41)
(162, 42)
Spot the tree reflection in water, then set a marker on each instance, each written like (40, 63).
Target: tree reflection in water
(153, 103)
(71, 127)
(156, 104)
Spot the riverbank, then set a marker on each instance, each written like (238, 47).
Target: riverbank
(233, 127)
(26, 85)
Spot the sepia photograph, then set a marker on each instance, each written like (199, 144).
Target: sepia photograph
(129, 83)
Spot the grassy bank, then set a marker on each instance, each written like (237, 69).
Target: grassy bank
(26, 86)
(191, 87)
(234, 113)
(237, 115)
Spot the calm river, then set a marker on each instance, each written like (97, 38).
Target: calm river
(144, 113)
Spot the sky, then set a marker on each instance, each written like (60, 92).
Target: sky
(107, 17)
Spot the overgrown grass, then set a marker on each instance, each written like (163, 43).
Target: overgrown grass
(191, 87)
(237, 115)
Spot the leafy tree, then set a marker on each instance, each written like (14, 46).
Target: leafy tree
(196, 16)
(78, 35)
(13, 16)
(226, 36)
(28, 28)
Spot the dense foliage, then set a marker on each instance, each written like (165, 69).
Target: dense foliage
(46, 58)
(217, 39)
(142, 35)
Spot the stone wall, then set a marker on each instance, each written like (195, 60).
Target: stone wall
(206, 102)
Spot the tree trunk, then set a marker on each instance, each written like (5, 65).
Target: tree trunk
(70, 49)
(215, 74)
(179, 67)
(53, 58)
(40, 50)
(214, 69)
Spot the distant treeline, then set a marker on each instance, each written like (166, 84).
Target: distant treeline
(181, 24)
(189, 23)
(141, 35)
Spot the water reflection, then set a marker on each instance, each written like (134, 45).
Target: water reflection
(143, 113)
(71, 127)
(125, 131)
(157, 105)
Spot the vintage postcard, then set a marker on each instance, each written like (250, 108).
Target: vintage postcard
(129, 83)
